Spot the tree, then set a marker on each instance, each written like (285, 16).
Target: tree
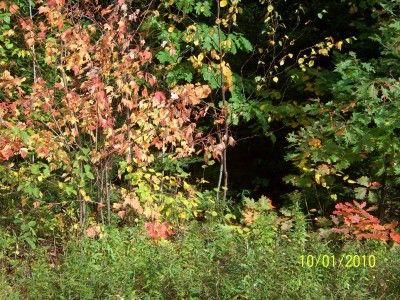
(93, 107)
(349, 146)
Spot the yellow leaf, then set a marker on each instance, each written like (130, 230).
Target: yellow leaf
(200, 57)
(270, 8)
(275, 79)
(214, 213)
(223, 3)
(318, 178)
(315, 143)
(214, 54)
(8, 33)
(323, 51)
(339, 45)
(191, 28)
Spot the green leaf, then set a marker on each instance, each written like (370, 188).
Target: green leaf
(360, 193)
(165, 58)
(203, 8)
(70, 190)
(364, 181)
(180, 73)
(85, 151)
(245, 44)
(372, 197)
(30, 243)
(185, 6)
(88, 172)
(5, 17)
(35, 169)
(212, 77)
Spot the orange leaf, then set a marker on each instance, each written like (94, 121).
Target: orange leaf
(13, 8)
(43, 9)
(122, 214)
(30, 42)
(93, 231)
(315, 143)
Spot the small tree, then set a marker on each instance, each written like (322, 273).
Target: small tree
(93, 103)
(350, 145)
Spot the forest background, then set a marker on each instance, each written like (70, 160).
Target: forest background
(199, 149)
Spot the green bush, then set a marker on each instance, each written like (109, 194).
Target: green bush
(206, 261)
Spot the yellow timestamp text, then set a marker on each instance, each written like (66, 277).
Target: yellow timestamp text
(333, 261)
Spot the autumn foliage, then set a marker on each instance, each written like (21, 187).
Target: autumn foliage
(157, 231)
(354, 220)
(102, 105)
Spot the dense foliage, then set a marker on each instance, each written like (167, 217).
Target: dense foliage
(198, 149)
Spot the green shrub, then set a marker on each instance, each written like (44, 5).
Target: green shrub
(206, 261)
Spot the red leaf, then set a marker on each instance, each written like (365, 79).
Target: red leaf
(335, 220)
(160, 96)
(377, 236)
(58, 86)
(395, 236)
(360, 205)
(145, 92)
(355, 219)
(158, 231)
(378, 227)
(145, 55)
(42, 151)
(23, 152)
(6, 153)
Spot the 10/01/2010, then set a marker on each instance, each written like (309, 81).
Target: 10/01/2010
(344, 261)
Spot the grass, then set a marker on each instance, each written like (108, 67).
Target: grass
(206, 261)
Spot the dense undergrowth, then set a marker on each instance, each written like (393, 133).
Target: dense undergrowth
(116, 126)
(207, 260)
